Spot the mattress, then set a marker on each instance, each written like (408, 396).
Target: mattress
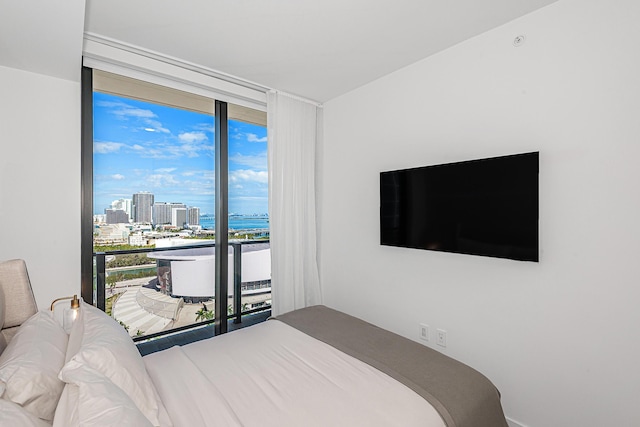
(272, 374)
(463, 396)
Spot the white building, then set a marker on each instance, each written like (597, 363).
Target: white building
(188, 273)
(111, 234)
(122, 204)
(179, 217)
(138, 239)
(142, 203)
(193, 216)
(162, 212)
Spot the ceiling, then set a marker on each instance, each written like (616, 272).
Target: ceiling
(310, 48)
(42, 36)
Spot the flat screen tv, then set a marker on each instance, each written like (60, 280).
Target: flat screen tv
(486, 207)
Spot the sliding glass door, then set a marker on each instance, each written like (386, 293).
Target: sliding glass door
(175, 223)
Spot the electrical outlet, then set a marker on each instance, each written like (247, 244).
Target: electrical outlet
(424, 332)
(441, 337)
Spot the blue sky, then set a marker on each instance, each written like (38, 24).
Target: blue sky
(139, 146)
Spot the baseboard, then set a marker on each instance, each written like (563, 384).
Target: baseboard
(513, 423)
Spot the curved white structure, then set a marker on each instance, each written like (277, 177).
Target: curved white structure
(190, 272)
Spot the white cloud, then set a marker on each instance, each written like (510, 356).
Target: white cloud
(192, 144)
(155, 126)
(191, 137)
(165, 170)
(206, 127)
(254, 162)
(161, 180)
(124, 110)
(154, 153)
(117, 177)
(189, 150)
(146, 117)
(107, 147)
(252, 137)
(238, 176)
(196, 188)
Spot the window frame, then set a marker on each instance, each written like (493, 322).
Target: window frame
(221, 119)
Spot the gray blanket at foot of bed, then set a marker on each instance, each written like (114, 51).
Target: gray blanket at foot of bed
(463, 396)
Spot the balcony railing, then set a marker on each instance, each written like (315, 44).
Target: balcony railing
(153, 295)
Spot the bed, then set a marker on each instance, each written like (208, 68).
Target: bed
(310, 367)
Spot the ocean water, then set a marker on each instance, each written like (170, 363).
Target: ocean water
(238, 223)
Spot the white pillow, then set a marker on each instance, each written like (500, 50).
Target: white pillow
(108, 349)
(3, 340)
(2, 307)
(12, 414)
(30, 364)
(67, 409)
(100, 403)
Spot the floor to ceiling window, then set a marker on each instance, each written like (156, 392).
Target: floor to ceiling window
(174, 183)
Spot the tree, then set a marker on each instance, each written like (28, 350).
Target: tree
(204, 314)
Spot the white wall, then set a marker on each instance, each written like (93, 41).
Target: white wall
(560, 337)
(40, 180)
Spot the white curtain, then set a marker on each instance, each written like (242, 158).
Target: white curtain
(292, 126)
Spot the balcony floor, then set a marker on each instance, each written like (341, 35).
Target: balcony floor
(204, 332)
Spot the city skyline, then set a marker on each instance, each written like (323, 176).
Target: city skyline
(144, 147)
(121, 205)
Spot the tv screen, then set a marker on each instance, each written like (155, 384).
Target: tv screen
(486, 207)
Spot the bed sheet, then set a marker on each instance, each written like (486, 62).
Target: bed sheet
(274, 375)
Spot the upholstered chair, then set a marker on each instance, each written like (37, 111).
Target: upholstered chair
(17, 302)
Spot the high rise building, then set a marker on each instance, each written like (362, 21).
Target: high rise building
(193, 216)
(142, 203)
(122, 204)
(179, 217)
(116, 216)
(162, 212)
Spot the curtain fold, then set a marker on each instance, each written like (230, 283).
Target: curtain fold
(292, 126)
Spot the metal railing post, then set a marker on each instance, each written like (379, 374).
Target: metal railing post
(237, 282)
(101, 280)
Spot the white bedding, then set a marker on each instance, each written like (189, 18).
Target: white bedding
(273, 375)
